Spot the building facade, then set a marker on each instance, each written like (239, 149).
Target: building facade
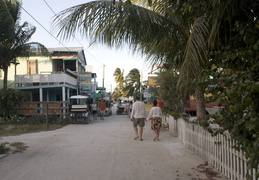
(53, 78)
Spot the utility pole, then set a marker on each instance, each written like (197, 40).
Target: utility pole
(140, 88)
(103, 80)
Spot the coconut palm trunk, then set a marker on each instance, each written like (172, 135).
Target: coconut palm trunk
(200, 104)
(5, 69)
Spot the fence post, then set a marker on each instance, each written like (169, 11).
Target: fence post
(60, 111)
(47, 120)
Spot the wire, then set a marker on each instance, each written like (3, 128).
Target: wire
(72, 35)
(108, 66)
(40, 24)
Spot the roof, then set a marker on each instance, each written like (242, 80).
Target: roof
(65, 49)
(62, 50)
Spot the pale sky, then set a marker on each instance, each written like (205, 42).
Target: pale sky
(96, 55)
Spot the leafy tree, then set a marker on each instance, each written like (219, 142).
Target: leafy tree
(15, 36)
(174, 102)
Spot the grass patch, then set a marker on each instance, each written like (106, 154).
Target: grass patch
(18, 147)
(17, 129)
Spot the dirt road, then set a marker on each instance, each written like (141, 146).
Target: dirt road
(101, 150)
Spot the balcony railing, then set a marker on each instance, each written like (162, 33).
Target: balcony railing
(44, 79)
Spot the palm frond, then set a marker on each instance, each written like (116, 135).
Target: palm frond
(196, 52)
(119, 24)
(6, 22)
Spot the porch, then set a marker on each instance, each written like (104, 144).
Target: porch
(26, 81)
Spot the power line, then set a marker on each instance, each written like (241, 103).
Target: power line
(41, 24)
(72, 34)
(57, 38)
(77, 39)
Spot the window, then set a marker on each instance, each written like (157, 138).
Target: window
(32, 66)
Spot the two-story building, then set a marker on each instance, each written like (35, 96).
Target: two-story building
(53, 78)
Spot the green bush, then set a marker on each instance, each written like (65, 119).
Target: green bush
(8, 100)
(4, 149)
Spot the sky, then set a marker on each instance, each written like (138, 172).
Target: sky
(100, 58)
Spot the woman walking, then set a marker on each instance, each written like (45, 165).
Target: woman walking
(155, 115)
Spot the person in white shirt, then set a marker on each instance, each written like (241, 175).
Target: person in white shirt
(94, 110)
(138, 116)
(155, 115)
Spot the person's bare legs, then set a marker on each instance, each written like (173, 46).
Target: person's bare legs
(102, 116)
(140, 133)
(158, 133)
(136, 131)
(155, 138)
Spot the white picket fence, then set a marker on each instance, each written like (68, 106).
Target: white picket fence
(216, 150)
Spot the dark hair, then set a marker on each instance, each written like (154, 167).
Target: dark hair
(155, 102)
(137, 98)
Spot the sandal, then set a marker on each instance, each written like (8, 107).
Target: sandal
(136, 137)
(141, 139)
(154, 139)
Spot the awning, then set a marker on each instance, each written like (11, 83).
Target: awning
(65, 57)
(100, 88)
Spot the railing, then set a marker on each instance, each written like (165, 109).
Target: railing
(44, 108)
(216, 150)
(44, 79)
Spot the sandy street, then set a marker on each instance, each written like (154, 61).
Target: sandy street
(101, 150)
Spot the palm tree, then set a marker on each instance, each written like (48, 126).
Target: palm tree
(132, 83)
(179, 33)
(15, 43)
(158, 33)
(119, 79)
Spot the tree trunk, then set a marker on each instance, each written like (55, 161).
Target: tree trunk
(200, 104)
(5, 69)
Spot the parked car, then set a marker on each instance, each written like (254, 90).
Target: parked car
(79, 109)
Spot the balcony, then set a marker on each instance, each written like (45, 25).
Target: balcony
(24, 81)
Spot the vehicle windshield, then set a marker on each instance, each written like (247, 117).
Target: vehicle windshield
(78, 100)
